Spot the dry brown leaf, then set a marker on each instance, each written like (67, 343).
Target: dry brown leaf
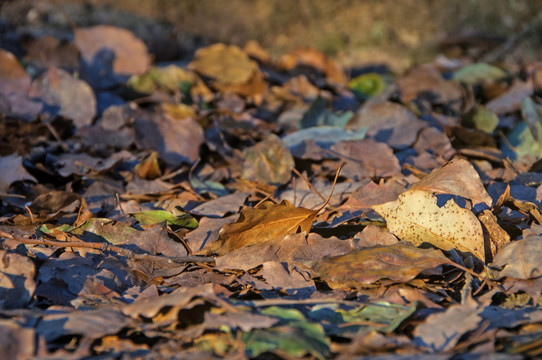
(426, 79)
(416, 217)
(400, 262)
(74, 97)
(457, 177)
(316, 59)
(388, 122)
(259, 225)
(131, 56)
(12, 170)
(226, 64)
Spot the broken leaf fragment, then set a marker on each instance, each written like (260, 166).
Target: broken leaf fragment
(416, 217)
(400, 262)
(255, 226)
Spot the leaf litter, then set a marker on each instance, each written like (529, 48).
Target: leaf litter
(201, 211)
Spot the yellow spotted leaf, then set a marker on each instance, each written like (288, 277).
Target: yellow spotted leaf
(416, 217)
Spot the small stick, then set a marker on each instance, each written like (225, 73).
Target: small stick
(332, 187)
(108, 247)
(308, 183)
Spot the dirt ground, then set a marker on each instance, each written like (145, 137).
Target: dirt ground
(396, 33)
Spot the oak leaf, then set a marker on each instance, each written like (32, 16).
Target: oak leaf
(259, 225)
(416, 217)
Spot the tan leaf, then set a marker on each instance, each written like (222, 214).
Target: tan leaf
(457, 177)
(416, 217)
(399, 262)
(131, 56)
(226, 64)
(265, 223)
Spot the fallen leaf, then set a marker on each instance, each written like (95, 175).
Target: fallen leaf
(152, 217)
(70, 97)
(225, 63)
(149, 168)
(269, 161)
(293, 335)
(175, 140)
(456, 177)
(521, 259)
(11, 168)
(259, 225)
(317, 60)
(400, 262)
(356, 322)
(221, 206)
(367, 85)
(287, 278)
(14, 87)
(388, 122)
(511, 100)
(17, 282)
(16, 340)
(131, 56)
(440, 332)
(291, 248)
(416, 217)
(360, 161)
(426, 79)
(477, 73)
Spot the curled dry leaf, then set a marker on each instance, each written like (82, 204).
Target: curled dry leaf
(259, 225)
(400, 262)
(457, 177)
(416, 217)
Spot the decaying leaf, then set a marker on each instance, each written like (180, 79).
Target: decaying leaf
(400, 262)
(416, 217)
(441, 332)
(457, 177)
(256, 226)
(521, 259)
(268, 161)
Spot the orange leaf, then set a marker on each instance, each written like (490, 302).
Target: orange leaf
(259, 225)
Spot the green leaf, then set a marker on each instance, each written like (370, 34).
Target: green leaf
(367, 85)
(482, 119)
(476, 73)
(293, 335)
(383, 317)
(525, 138)
(151, 217)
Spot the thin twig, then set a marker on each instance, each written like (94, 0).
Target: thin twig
(332, 188)
(308, 183)
(108, 247)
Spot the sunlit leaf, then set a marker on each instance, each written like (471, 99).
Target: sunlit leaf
(416, 217)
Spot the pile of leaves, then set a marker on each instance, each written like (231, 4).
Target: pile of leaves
(249, 207)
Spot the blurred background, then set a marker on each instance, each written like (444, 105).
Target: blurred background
(396, 33)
